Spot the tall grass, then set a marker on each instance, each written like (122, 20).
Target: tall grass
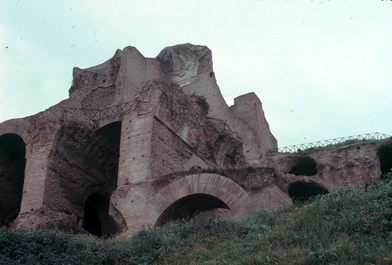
(349, 226)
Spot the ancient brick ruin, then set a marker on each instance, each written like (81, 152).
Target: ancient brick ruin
(144, 141)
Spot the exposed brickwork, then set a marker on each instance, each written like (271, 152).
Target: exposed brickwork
(143, 141)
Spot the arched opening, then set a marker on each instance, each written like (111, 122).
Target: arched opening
(111, 134)
(189, 206)
(12, 167)
(105, 152)
(304, 166)
(97, 220)
(385, 157)
(83, 170)
(301, 191)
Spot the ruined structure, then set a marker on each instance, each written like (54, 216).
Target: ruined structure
(144, 141)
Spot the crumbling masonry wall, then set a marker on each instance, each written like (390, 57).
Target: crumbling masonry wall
(144, 141)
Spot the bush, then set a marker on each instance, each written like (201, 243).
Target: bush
(349, 226)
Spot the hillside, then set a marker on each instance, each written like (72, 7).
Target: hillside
(349, 226)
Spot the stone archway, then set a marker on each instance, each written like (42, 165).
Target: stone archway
(82, 173)
(212, 190)
(18, 126)
(189, 207)
(12, 174)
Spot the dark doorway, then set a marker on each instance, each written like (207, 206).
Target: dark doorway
(12, 167)
(385, 157)
(97, 220)
(189, 207)
(104, 156)
(301, 191)
(109, 137)
(304, 166)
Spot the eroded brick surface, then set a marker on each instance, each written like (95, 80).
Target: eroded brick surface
(146, 139)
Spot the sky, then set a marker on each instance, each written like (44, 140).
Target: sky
(322, 69)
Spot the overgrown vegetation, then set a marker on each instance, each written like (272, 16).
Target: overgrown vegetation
(349, 226)
(358, 141)
(348, 142)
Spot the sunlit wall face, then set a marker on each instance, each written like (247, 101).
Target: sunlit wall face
(321, 68)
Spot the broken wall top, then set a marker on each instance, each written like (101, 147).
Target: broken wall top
(186, 66)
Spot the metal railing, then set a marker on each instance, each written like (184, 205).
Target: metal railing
(336, 141)
(101, 114)
(97, 114)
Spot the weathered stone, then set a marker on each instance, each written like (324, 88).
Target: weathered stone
(144, 141)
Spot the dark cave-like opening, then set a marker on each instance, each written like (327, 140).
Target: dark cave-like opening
(301, 191)
(111, 133)
(305, 166)
(12, 167)
(189, 206)
(385, 158)
(97, 220)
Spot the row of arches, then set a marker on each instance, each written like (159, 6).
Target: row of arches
(191, 205)
(307, 166)
(96, 218)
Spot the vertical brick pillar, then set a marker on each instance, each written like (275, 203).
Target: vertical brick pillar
(132, 198)
(35, 177)
(135, 150)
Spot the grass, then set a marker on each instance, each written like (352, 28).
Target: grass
(349, 226)
(363, 141)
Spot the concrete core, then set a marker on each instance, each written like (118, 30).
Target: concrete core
(189, 206)
(301, 191)
(12, 166)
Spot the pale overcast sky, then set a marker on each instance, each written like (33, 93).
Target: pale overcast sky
(322, 69)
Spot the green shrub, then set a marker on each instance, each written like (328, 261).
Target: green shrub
(350, 226)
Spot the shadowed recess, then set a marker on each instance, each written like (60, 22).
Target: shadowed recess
(12, 167)
(83, 162)
(189, 206)
(385, 157)
(112, 134)
(305, 166)
(302, 191)
(97, 220)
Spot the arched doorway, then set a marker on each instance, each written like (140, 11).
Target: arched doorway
(385, 158)
(12, 167)
(82, 173)
(105, 151)
(190, 206)
(302, 191)
(202, 192)
(111, 135)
